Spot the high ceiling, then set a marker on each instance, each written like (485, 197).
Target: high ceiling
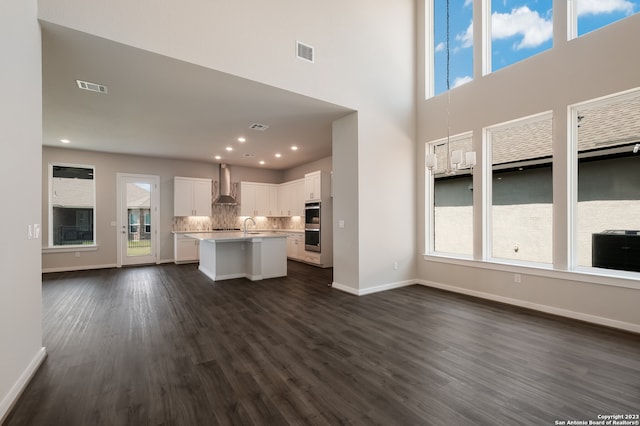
(158, 106)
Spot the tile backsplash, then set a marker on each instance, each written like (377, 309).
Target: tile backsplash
(226, 217)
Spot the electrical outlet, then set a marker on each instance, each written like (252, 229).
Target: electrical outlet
(395, 265)
(517, 278)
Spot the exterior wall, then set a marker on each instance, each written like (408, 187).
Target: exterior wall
(573, 71)
(21, 138)
(364, 61)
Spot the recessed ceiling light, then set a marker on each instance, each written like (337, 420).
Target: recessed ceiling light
(241, 139)
(278, 155)
(217, 157)
(294, 148)
(229, 148)
(261, 161)
(65, 141)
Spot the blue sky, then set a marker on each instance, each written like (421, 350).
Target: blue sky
(520, 28)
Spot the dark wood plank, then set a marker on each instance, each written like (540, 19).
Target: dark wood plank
(164, 345)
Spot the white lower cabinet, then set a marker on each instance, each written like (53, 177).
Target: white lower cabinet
(295, 245)
(186, 250)
(296, 251)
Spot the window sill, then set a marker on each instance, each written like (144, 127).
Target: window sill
(584, 275)
(69, 249)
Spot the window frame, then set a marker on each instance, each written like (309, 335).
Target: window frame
(70, 247)
(430, 200)
(430, 49)
(573, 159)
(487, 190)
(572, 21)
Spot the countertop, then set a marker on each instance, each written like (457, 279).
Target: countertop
(233, 235)
(231, 232)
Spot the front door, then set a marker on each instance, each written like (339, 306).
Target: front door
(137, 219)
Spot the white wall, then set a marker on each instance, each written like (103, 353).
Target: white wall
(323, 164)
(364, 60)
(21, 139)
(591, 66)
(346, 261)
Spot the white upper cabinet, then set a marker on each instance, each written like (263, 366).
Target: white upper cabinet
(247, 199)
(297, 198)
(258, 199)
(313, 186)
(273, 207)
(191, 196)
(291, 198)
(284, 198)
(267, 199)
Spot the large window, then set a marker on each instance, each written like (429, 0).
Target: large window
(519, 29)
(460, 47)
(607, 199)
(513, 31)
(521, 188)
(71, 205)
(451, 200)
(589, 15)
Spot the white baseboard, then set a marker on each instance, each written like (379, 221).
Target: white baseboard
(78, 268)
(90, 267)
(370, 290)
(16, 390)
(635, 328)
(345, 288)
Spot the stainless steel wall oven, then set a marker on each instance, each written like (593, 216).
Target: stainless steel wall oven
(312, 227)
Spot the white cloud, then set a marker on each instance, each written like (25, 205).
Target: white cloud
(441, 46)
(466, 38)
(522, 21)
(459, 81)
(596, 7)
(468, 3)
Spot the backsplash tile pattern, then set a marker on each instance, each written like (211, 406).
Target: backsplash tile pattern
(226, 217)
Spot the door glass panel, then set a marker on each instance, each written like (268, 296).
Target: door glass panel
(139, 206)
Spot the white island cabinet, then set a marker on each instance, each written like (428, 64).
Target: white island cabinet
(227, 255)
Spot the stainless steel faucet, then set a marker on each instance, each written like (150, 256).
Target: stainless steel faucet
(244, 226)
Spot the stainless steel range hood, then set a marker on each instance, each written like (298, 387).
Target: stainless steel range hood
(225, 197)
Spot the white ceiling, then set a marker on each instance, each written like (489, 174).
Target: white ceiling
(158, 106)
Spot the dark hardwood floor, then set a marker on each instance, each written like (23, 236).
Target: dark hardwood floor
(163, 345)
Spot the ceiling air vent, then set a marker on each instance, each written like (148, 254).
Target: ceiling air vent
(92, 87)
(304, 51)
(258, 126)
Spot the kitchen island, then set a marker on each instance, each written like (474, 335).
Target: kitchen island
(254, 255)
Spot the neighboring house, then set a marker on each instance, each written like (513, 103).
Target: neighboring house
(72, 217)
(139, 213)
